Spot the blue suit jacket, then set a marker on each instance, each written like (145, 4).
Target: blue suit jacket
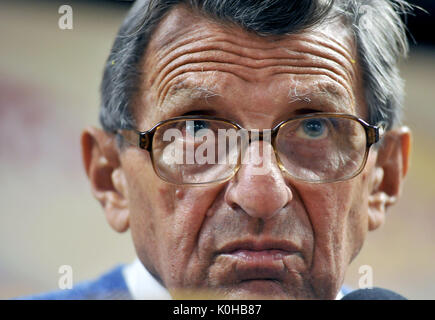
(109, 286)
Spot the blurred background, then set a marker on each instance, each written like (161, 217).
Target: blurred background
(49, 84)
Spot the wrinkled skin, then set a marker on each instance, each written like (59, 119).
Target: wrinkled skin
(196, 65)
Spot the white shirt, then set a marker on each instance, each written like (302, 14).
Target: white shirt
(143, 286)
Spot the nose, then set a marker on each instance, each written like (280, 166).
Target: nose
(259, 188)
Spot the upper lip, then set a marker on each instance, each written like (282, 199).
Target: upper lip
(259, 245)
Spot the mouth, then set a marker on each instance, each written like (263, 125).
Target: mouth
(259, 260)
(261, 256)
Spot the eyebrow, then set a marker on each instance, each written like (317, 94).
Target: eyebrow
(202, 92)
(196, 93)
(331, 91)
(192, 92)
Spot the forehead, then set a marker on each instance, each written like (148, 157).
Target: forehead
(194, 60)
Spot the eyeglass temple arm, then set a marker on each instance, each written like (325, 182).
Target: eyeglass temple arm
(377, 132)
(136, 138)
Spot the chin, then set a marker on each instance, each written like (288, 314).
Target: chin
(255, 289)
(258, 289)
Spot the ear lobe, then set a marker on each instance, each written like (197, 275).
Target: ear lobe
(378, 204)
(391, 168)
(108, 184)
(120, 216)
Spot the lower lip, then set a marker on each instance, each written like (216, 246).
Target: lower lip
(255, 269)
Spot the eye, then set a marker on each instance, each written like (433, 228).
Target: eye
(313, 129)
(196, 125)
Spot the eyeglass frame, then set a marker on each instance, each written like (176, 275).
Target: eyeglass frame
(145, 139)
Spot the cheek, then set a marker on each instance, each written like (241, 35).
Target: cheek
(188, 245)
(337, 213)
(357, 220)
(144, 222)
(166, 222)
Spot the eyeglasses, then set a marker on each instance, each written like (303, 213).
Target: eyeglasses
(314, 148)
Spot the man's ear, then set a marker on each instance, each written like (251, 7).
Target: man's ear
(389, 172)
(108, 183)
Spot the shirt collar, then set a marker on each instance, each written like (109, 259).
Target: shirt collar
(142, 285)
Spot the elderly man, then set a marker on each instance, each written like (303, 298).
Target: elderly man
(314, 84)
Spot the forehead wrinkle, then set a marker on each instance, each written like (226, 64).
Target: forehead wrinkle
(225, 41)
(336, 68)
(221, 34)
(214, 44)
(224, 37)
(317, 50)
(255, 58)
(215, 55)
(287, 45)
(203, 60)
(339, 47)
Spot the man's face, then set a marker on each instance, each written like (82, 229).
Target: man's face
(255, 236)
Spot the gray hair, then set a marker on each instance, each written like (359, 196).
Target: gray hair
(380, 37)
